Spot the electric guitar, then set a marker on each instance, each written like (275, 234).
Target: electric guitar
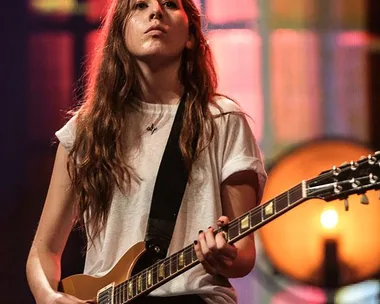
(135, 274)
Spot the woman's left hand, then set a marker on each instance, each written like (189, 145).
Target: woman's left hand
(214, 253)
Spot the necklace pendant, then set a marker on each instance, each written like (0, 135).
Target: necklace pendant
(151, 129)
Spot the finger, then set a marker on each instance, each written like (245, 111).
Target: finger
(223, 248)
(205, 248)
(211, 252)
(198, 251)
(210, 240)
(223, 220)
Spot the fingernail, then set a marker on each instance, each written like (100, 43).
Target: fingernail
(209, 227)
(195, 242)
(220, 223)
(200, 231)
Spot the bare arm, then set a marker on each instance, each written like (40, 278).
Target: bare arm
(239, 193)
(43, 267)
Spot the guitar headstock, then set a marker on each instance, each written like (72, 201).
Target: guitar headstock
(356, 177)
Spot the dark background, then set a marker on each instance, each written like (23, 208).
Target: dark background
(27, 159)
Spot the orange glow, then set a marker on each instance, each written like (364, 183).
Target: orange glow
(294, 241)
(329, 219)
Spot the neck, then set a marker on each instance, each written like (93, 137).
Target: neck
(160, 82)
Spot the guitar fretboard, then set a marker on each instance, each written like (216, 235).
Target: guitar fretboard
(172, 266)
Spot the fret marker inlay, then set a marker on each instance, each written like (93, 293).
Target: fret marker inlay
(139, 284)
(161, 272)
(130, 290)
(149, 278)
(181, 262)
(269, 209)
(244, 224)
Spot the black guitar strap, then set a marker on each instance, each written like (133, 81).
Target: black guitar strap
(168, 192)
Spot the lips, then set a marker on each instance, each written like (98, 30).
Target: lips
(156, 27)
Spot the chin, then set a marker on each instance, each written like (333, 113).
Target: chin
(158, 54)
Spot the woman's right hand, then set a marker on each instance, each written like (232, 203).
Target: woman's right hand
(63, 298)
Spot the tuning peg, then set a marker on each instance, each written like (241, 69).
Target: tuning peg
(346, 204)
(336, 171)
(377, 153)
(373, 178)
(371, 159)
(364, 199)
(354, 165)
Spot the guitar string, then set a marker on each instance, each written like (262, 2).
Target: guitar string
(168, 261)
(233, 224)
(189, 249)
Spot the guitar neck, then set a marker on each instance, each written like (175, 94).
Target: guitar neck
(167, 269)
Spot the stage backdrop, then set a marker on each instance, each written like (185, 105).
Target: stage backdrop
(297, 67)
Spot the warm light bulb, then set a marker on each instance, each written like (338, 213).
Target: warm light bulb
(329, 219)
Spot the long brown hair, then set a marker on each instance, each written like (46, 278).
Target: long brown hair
(96, 163)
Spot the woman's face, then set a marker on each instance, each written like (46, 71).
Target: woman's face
(157, 29)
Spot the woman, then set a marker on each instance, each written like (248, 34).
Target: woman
(153, 54)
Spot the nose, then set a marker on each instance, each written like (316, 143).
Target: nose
(156, 12)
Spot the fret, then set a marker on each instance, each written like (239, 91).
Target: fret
(124, 293)
(295, 194)
(154, 274)
(118, 295)
(144, 280)
(194, 255)
(281, 202)
(288, 197)
(121, 292)
(173, 264)
(189, 256)
(233, 232)
(134, 287)
(167, 267)
(255, 216)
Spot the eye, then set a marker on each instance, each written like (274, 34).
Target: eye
(171, 4)
(141, 5)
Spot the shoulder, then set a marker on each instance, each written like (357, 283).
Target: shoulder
(66, 134)
(223, 105)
